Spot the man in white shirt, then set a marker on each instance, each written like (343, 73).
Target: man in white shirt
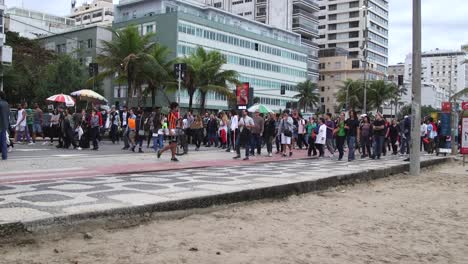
(423, 135)
(234, 131)
(246, 123)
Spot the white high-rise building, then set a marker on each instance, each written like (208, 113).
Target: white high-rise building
(99, 12)
(442, 68)
(33, 24)
(343, 25)
(299, 16)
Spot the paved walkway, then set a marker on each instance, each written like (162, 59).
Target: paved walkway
(41, 200)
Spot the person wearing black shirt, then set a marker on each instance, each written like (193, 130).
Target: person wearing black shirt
(353, 132)
(394, 131)
(379, 135)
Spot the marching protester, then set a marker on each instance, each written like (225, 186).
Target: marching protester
(172, 125)
(340, 133)
(330, 128)
(197, 132)
(321, 138)
(245, 125)
(312, 130)
(257, 134)
(94, 128)
(114, 125)
(353, 133)
(285, 129)
(4, 125)
(270, 132)
(379, 135)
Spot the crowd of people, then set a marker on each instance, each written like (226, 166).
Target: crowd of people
(231, 131)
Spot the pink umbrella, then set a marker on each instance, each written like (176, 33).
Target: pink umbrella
(62, 98)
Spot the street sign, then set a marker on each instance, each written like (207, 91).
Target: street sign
(445, 129)
(464, 135)
(446, 107)
(464, 106)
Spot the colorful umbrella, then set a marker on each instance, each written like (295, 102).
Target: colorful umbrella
(261, 108)
(62, 98)
(89, 96)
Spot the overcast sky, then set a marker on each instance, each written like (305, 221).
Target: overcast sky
(445, 23)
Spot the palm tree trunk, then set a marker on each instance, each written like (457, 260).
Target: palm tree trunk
(153, 96)
(202, 102)
(191, 94)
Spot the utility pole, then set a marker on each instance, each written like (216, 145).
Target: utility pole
(454, 117)
(415, 155)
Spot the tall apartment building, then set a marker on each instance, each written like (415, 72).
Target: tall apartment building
(343, 25)
(97, 12)
(443, 68)
(264, 56)
(2, 22)
(336, 66)
(299, 16)
(33, 24)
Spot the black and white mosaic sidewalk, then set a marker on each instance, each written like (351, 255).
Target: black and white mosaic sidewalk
(52, 199)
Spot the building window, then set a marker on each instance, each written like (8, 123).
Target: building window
(90, 43)
(355, 64)
(218, 5)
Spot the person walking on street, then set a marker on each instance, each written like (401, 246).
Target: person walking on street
(353, 132)
(366, 135)
(197, 132)
(4, 124)
(172, 125)
(340, 133)
(423, 135)
(405, 130)
(139, 131)
(131, 130)
(94, 128)
(21, 125)
(330, 128)
(301, 131)
(379, 135)
(38, 120)
(321, 139)
(270, 132)
(312, 130)
(124, 115)
(158, 134)
(394, 131)
(286, 130)
(54, 126)
(114, 122)
(234, 129)
(212, 131)
(257, 134)
(246, 124)
(29, 122)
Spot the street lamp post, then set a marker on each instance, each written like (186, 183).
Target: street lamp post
(454, 111)
(364, 48)
(415, 155)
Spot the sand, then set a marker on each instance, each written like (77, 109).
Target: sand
(402, 219)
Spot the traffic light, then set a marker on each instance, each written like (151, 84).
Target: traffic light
(180, 68)
(93, 69)
(400, 80)
(283, 89)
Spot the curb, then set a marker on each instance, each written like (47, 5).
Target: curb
(145, 211)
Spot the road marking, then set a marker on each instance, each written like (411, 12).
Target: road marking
(29, 150)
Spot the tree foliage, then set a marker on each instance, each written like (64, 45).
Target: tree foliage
(37, 73)
(308, 95)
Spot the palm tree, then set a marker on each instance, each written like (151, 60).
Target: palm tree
(351, 92)
(158, 72)
(308, 95)
(126, 55)
(205, 74)
(381, 91)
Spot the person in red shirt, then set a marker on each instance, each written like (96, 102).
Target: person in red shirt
(172, 124)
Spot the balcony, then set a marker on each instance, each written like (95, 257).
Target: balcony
(305, 27)
(304, 14)
(308, 5)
